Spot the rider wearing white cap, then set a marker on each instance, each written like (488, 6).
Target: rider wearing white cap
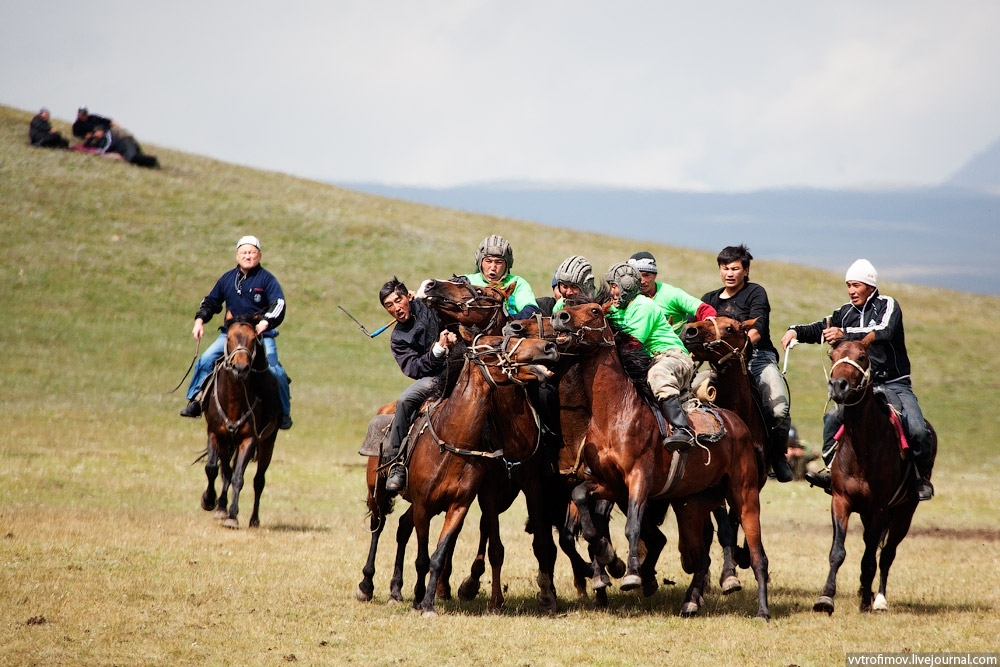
(247, 289)
(866, 312)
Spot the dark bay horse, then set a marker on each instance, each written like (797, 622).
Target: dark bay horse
(622, 459)
(242, 409)
(448, 463)
(723, 343)
(871, 476)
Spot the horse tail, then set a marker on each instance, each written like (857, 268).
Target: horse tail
(201, 457)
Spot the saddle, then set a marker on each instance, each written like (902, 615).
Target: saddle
(376, 436)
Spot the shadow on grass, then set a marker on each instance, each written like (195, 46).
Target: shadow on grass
(298, 528)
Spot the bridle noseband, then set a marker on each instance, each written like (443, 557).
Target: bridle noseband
(860, 389)
(474, 302)
(739, 352)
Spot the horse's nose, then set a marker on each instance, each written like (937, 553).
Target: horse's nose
(429, 284)
(551, 351)
(689, 332)
(838, 387)
(514, 328)
(561, 318)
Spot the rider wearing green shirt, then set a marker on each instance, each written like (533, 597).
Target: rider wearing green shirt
(494, 258)
(672, 369)
(574, 278)
(676, 304)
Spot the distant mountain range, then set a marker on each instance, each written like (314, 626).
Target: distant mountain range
(943, 236)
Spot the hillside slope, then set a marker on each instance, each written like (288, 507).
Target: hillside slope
(106, 264)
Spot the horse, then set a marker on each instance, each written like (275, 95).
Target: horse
(724, 343)
(242, 411)
(448, 462)
(871, 475)
(483, 308)
(621, 459)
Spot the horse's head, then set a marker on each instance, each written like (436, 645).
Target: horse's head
(584, 324)
(241, 347)
(506, 360)
(533, 327)
(718, 339)
(459, 301)
(850, 374)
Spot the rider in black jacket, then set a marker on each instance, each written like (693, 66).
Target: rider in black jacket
(869, 311)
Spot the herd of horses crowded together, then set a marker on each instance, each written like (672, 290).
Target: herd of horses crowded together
(482, 439)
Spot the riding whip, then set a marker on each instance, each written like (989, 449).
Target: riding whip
(362, 327)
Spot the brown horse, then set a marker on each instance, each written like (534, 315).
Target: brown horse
(871, 476)
(483, 308)
(242, 410)
(723, 343)
(449, 461)
(622, 459)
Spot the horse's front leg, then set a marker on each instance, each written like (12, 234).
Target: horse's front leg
(633, 531)
(899, 525)
(376, 524)
(469, 588)
(211, 472)
(264, 453)
(693, 540)
(542, 544)
(453, 520)
(654, 540)
(840, 512)
(874, 526)
(567, 542)
(245, 453)
(600, 545)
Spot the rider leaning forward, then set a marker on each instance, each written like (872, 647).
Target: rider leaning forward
(869, 311)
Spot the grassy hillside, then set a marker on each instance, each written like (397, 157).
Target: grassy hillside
(104, 266)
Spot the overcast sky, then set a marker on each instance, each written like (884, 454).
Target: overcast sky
(721, 96)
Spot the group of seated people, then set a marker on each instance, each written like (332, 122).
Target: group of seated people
(98, 135)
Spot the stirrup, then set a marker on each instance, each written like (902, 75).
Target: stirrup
(925, 490)
(680, 439)
(397, 478)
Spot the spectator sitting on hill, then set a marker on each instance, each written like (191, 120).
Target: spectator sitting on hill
(41, 134)
(86, 123)
(118, 142)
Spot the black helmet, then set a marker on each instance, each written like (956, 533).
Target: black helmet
(576, 270)
(495, 246)
(643, 261)
(626, 276)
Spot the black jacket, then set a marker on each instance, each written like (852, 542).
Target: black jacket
(880, 314)
(413, 340)
(81, 128)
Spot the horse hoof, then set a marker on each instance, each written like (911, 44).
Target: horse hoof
(207, 504)
(363, 596)
(468, 590)
(393, 600)
(649, 587)
(824, 603)
(220, 515)
(763, 616)
(231, 523)
(731, 584)
(546, 603)
(428, 613)
(616, 568)
(689, 609)
(601, 598)
(880, 604)
(630, 582)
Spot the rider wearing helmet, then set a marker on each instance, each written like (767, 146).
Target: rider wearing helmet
(677, 304)
(672, 369)
(574, 277)
(494, 259)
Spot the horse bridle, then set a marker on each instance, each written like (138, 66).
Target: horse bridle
(473, 302)
(508, 367)
(227, 364)
(866, 378)
(577, 336)
(739, 352)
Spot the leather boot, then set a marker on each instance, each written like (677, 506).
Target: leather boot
(397, 478)
(925, 490)
(681, 436)
(778, 450)
(192, 409)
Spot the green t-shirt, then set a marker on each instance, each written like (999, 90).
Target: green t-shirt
(522, 297)
(676, 304)
(644, 320)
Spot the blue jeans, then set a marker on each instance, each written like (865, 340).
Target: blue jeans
(218, 348)
(763, 367)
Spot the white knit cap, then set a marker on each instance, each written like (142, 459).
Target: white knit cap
(862, 271)
(251, 240)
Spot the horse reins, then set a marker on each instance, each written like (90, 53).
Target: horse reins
(234, 426)
(739, 352)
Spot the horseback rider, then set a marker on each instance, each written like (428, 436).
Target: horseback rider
(672, 369)
(677, 304)
(573, 278)
(247, 289)
(494, 259)
(420, 346)
(743, 300)
(869, 311)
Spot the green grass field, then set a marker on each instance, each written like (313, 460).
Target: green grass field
(108, 559)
